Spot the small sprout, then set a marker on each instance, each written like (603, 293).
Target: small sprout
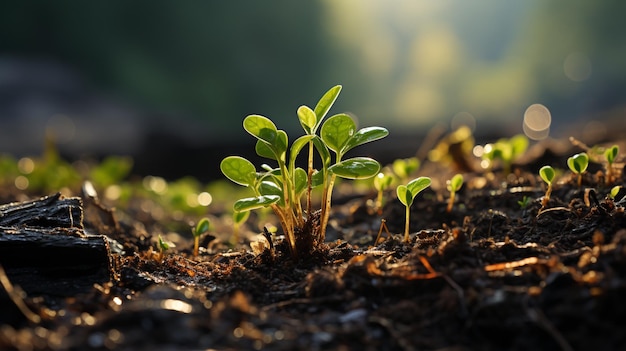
(381, 182)
(406, 195)
(610, 155)
(524, 202)
(404, 167)
(578, 164)
(238, 219)
(163, 247)
(547, 173)
(506, 150)
(201, 228)
(454, 185)
(615, 192)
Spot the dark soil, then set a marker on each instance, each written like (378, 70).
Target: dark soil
(490, 275)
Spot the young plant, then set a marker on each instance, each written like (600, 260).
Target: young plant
(404, 167)
(201, 228)
(282, 188)
(578, 164)
(506, 150)
(406, 195)
(524, 202)
(238, 219)
(381, 182)
(610, 155)
(163, 247)
(547, 173)
(453, 185)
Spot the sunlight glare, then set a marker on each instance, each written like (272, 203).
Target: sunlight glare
(537, 120)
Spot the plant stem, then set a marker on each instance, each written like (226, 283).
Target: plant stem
(451, 202)
(326, 207)
(196, 243)
(406, 225)
(309, 180)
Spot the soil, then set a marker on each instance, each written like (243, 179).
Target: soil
(489, 275)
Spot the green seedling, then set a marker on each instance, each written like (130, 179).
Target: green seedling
(201, 228)
(406, 195)
(547, 173)
(381, 182)
(454, 185)
(404, 167)
(163, 247)
(506, 150)
(282, 188)
(578, 164)
(524, 202)
(239, 218)
(614, 192)
(610, 155)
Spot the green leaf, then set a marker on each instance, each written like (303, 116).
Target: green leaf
(240, 217)
(300, 180)
(404, 195)
(337, 131)
(260, 127)
(324, 105)
(382, 181)
(317, 179)
(455, 183)
(404, 167)
(264, 150)
(307, 118)
(296, 147)
(253, 203)
(201, 227)
(323, 151)
(547, 173)
(417, 185)
(356, 168)
(238, 170)
(611, 154)
(578, 163)
(519, 144)
(363, 136)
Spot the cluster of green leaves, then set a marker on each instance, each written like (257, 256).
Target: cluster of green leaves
(505, 150)
(283, 187)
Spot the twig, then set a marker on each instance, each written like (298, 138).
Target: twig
(15, 294)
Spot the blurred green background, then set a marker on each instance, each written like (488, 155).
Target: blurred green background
(170, 81)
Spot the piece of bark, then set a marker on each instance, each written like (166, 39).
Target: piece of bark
(44, 250)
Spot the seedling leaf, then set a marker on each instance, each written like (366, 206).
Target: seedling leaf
(578, 163)
(611, 154)
(324, 105)
(356, 168)
(300, 180)
(252, 203)
(337, 131)
(201, 227)
(547, 173)
(382, 181)
(240, 217)
(418, 184)
(455, 183)
(260, 127)
(404, 195)
(363, 136)
(239, 170)
(308, 119)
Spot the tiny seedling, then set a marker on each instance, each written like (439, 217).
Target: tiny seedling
(506, 150)
(610, 155)
(406, 195)
(201, 228)
(454, 185)
(381, 182)
(163, 247)
(238, 219)
(282, 188)
(547, 173)
(578, 164)
(404, 167)
(524, 202)
(614, 192)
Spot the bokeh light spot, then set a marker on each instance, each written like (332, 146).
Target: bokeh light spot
(577, 67)
(537, 121)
